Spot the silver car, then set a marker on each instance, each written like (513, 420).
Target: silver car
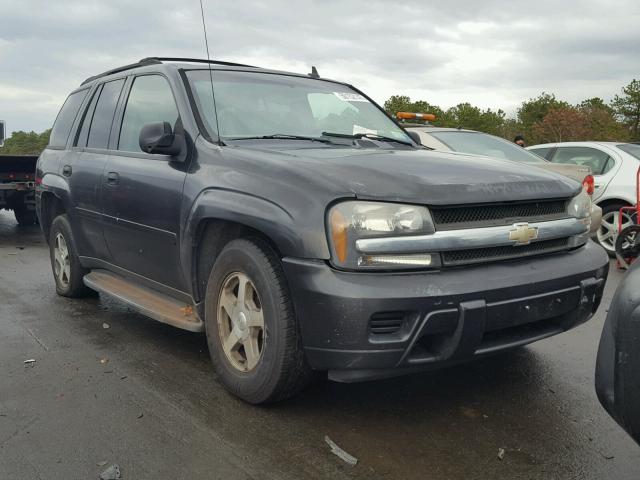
(478, 143)
(614, 166)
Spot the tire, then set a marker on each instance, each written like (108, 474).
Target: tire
(277, 368)
(608, 230)
(628, 245)
(24, 216)
(69, 283)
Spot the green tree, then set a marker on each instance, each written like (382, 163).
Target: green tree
(465, 115)
(25, 143)
(533, 111)
(602, 121)
(627, 106)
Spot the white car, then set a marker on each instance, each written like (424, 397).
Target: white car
(614, 166)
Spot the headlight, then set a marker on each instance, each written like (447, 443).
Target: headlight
(580, 205)
(349, 221)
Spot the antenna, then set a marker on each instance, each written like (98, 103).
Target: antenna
(213, 95)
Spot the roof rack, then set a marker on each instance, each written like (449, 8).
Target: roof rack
(141, 63)
(160, 60)
(196, 60)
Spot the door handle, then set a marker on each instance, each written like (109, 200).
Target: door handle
(113, 178)
(67, 170)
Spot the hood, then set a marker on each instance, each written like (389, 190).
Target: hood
(414, 176)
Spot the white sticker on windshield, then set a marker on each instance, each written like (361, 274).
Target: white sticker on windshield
(358, 129)
(350, 97)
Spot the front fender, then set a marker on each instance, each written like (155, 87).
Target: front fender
(292, 237)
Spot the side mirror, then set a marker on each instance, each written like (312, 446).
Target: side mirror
(158, 137)
(618, 364)
(414, 136)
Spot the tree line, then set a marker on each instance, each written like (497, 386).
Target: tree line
(542, 119)
(25, 143)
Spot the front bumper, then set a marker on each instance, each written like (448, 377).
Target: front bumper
(374, 325)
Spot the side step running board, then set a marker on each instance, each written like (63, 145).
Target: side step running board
(148, 302)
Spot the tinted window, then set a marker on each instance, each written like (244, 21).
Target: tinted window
(589, 157)
(631, 149)
(64, 121)
(482, 144)
(542, 152)
(150, 101)
(103, 114)
(81, 141)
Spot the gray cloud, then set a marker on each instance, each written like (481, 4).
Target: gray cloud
(491, 53)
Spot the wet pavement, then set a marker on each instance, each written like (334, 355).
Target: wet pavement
(143, 395)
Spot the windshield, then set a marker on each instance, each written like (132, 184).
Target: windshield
(483, 144)
(631, 148)
(259, 104)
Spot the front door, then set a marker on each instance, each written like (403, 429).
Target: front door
(142, 193)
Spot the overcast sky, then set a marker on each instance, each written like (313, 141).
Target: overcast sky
(490, 53)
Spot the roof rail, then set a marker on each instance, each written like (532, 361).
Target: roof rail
(141, 63)
(195, 60)
(160, 60)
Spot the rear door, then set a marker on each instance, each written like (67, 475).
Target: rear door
(142, 193)
(84, 167)
(602, 163)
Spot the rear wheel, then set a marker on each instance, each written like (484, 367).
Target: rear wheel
(65, 263)
(608, 230)
(251, 326)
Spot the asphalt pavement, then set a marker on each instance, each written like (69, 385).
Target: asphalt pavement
(109, 386)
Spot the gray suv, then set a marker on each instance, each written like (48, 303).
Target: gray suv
(289, 218)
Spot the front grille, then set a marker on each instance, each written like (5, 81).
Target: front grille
(491, 254)
(386, 322)
(485, 215)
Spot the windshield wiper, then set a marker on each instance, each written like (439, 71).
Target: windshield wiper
(373, 136)
(282, 136)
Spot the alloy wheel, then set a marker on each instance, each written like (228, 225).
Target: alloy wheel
(241, 322)
(608, 230)
(61, 262)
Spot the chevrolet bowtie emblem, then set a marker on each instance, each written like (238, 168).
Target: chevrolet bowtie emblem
(522, 234)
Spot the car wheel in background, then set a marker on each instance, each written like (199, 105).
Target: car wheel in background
(252, 331)
(608, 231)
(67, 271)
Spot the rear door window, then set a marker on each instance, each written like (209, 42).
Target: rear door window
(65, 119)
(599, 161)
(150, 100)
(103, 115)
(81, 141)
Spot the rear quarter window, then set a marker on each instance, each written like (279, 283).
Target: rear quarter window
(541, 152)
(65, 119)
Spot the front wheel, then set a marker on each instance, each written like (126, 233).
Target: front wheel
(251, 326)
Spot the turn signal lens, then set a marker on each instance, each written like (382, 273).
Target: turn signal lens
(339, 234)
